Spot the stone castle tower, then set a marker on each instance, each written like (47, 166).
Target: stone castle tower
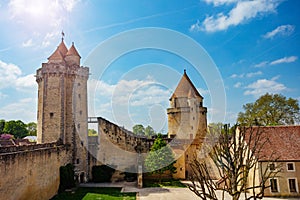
(62, 103)
(187, 118)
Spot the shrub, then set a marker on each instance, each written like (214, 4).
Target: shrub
(102, 173)
(66, 177)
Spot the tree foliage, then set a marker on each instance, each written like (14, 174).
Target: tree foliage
(149, 131)
(31, 127)
(138, 129)
(92, 132)
(16, 128)
(2, 123)
(235, 155)
(160, 158)
(270, 109)
(102, 173)
(66, 177)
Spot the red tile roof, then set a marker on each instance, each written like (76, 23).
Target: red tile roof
(72, 51)
(283, 143)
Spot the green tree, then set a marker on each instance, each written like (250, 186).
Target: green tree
(92, 132)
(160, 158)
(149, 131)
(270, 109)
(31, 127)
(16, 128)
(2, 123)
(138, 129)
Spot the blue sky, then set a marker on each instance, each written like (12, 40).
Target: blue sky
(253, 45)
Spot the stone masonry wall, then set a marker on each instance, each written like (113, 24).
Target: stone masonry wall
(31, 172)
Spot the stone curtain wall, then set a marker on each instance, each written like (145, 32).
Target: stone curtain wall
(123, 138)
(118, 147)
(31, 172)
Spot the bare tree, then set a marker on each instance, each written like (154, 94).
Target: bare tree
(235, 155)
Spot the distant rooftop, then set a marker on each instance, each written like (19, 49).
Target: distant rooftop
(284, 142)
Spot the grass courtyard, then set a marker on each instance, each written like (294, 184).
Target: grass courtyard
(95, 193)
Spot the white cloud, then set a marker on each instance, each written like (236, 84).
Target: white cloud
(127, 101)
(49, 37)
(284, 60)
(278, 61)
(27, 43)
(252, 74)
(129, 92)
(2, 96)
(283, 30)
(50, 16)
(195, 27)
(261, 64)
(237, 85)
(26, 82)
(150, 95)
(262, 86)
(237, 75)
(220, 2)
(24, 109)
(8, 74)
(11, 76)
(69, 4)
(242, 12)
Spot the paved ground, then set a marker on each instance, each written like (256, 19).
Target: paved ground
(159, 193)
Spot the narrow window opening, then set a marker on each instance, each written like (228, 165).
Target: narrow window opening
(292, 185)
(290, 167)
(274, 186)
(272, 167)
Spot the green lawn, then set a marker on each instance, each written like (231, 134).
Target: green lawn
(168, 183)
(95, 193)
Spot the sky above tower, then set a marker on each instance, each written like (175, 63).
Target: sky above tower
(253, 46)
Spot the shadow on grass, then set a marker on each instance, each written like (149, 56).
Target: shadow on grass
(95, 193)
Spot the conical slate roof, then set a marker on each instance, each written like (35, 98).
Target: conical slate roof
(73, 51)
(185, 88)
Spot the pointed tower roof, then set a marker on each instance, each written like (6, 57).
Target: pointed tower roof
(73, 51)
(56, 55)
(62, 47)
(186, 88)
(60, 52)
